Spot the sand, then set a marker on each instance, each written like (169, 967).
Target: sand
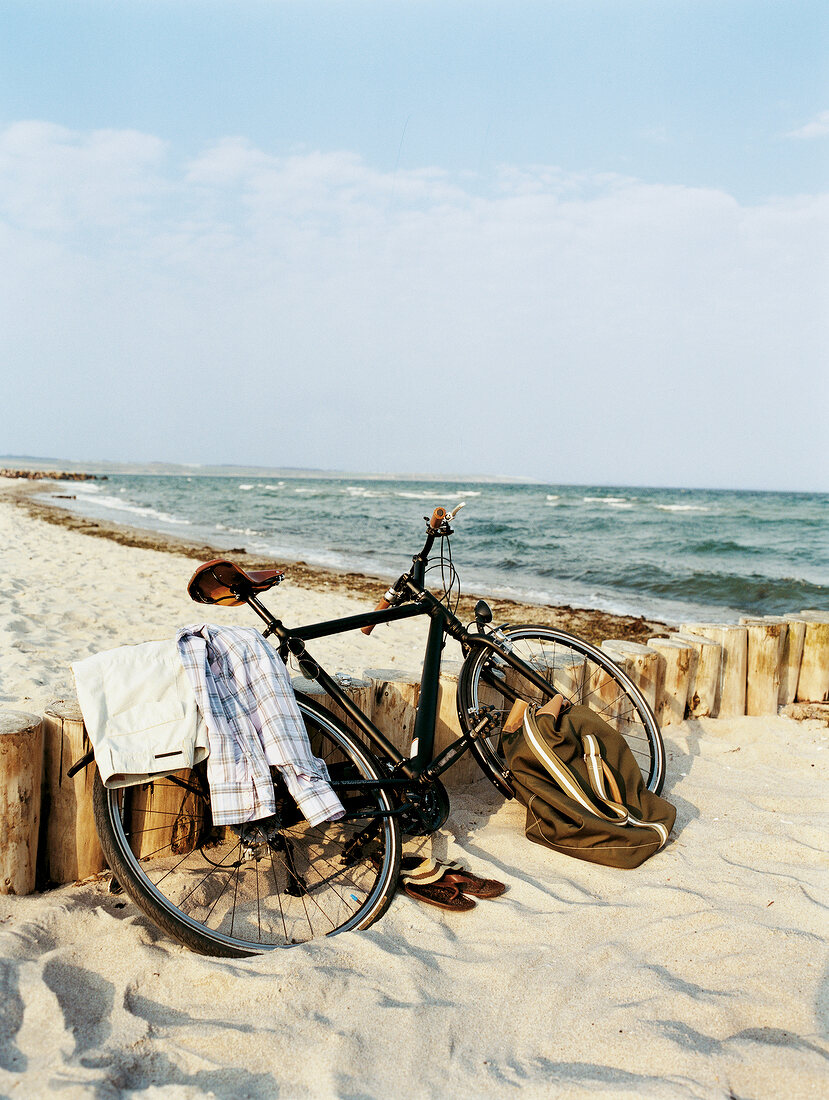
(701, 974)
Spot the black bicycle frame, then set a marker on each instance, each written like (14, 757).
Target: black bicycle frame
(444, 622)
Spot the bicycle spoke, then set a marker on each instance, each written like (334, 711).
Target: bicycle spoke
(279, 899)
(322, 881)
(583, 675)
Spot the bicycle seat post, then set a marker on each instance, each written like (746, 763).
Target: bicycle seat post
(274, 625)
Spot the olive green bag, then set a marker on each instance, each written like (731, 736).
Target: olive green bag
(583, 789)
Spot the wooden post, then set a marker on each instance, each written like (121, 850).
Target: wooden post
(70, 850)
(564, 669)
(791, 656)
(568, 671)
(448, 728)
(731, 696)
(641, 664)
(394, 699)
(813, 683)
(359, 691)
(703, 687)
(678, 661)
(765, 649)
(601, 692)
(313, 689)
(21, 765)
(164, 818)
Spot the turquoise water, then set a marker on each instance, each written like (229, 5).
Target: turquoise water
(663, 553)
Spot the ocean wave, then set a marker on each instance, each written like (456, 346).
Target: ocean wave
(448, 494)
(725, 546)
(682, 507)
(750, 592)
(362, 491)
(115, 504)
(237, 530)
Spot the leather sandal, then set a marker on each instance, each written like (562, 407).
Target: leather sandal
(443, 896)
(471, 884)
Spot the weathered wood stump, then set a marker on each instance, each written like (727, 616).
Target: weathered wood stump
(601, 693)
(21, 765)
(69, 848)
(394, 698)
(165, 818)
(641, 663)
(567, 673)
(705, 676)
(448, 728)
(357, 690)
(791, 657)
(563, 669)
(813, 683)
(354, 688)
(731, 696)
(764, 652)
(678, 661)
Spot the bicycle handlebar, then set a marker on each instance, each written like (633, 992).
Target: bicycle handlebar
(440, 518)
(381, 606)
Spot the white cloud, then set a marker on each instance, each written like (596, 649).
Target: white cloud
(311, 310)
(818, 127)
(53, 179)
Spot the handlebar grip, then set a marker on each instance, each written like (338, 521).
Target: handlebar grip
(438, 516)
(381, 606)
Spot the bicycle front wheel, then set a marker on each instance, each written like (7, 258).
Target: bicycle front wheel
(581, 673)
(279, 884)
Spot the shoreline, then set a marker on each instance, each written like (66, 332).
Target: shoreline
(591, 624)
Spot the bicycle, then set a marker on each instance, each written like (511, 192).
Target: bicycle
(235, 891)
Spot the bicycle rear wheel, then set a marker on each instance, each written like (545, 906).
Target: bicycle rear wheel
(580, 672)
(280, 884)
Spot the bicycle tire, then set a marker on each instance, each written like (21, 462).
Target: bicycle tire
(313, 880)
(583, 674)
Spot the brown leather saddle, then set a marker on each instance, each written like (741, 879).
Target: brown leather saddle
(224, 582)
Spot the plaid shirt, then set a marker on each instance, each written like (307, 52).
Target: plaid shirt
(247, 700)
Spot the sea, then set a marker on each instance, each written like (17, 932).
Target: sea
(667, 554)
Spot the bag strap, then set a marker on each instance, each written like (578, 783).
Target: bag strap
(559, 771)
(599, 774)
(601, 777)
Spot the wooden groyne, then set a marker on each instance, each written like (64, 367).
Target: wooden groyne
(779, 664)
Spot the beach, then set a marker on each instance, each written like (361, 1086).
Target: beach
(700, 974)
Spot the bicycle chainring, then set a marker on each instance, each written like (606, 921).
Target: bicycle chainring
(428, 809)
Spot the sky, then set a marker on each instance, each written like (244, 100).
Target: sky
(573, 241)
